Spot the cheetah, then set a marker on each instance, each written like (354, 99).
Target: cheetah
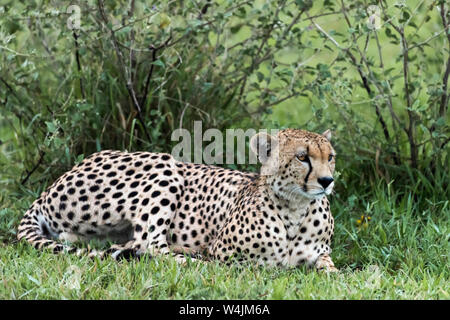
(151, 203)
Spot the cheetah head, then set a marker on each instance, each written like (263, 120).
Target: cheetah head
(296, 162)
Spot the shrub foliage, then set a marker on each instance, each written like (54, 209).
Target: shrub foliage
(91, 75)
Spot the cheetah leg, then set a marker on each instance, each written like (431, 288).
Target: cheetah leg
(151, 227)
(324, 263)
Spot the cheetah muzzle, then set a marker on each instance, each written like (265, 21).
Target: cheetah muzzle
(151, 203)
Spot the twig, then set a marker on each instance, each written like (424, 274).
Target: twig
(389, 97)
(379, 49)
(375, 82)
(9, 88)
(77, 56)
(445, 96)
(410, 112)
(150, 72)
(322, 15)
(410, 130)
(42, 154)
(289, 96)
(445, 142)
(126, 73)
(131, 10)
(328, 36)
(363, 77)
(254, 63)
(420, 44)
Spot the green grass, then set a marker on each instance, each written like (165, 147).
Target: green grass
(401, 253)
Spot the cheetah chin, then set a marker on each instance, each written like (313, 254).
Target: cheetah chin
(296, 193)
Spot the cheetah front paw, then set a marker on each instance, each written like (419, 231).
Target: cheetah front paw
(325, 264)
(328, 269)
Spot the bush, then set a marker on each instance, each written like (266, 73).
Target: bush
(131, 74)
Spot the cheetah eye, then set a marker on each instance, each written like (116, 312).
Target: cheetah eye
(330, 157)
(302, 157)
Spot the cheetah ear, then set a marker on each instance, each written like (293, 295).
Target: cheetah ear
(327, 134)
(262, 145)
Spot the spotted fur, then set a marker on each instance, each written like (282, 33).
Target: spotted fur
(151, 203)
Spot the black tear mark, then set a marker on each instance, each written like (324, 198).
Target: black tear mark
(309, 171)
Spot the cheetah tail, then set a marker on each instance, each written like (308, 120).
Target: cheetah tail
(35, 229)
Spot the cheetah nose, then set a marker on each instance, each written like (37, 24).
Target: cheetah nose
(325, 181)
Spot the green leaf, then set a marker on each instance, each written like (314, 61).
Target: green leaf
(235, 29)
(159, 63)
(260, 76)
(84, 107)
(79, 159)
(389, 33)
(304, 4)
(382, 234)
(440, 122)
(51, 127)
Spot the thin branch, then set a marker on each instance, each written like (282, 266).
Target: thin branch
(389, 103)
(263, 43)
(150, 72)
(364, 78)
(77, 57)
(293, 22)
(42, 154)
(421, 44)
(131, 10)
(323, 15)
(445, 96)
(328, 36)
(9, 88)
(373, 79)
(256, 60)
(289, 96)
(411, 116)
(379, 49)
(445, 142)
(126, 73)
